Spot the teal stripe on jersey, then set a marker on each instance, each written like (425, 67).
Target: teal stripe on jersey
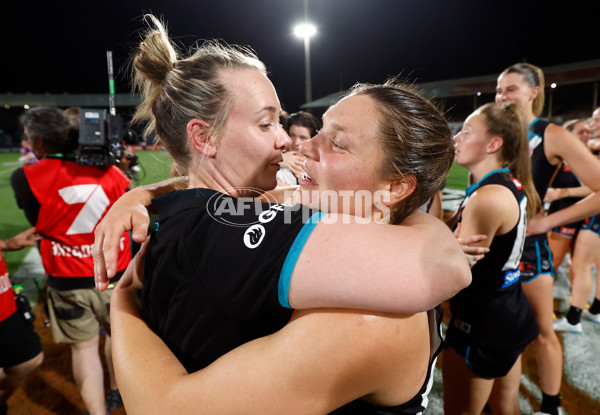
(283, 288)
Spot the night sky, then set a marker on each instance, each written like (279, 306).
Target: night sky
(50, 48)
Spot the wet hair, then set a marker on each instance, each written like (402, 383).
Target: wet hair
(53, 127)
(416, 141)
(304, 119)
(506, 122)
(533, 76)
(177, 89)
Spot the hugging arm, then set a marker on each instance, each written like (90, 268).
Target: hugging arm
(561, 144)
(294, 371)
(403, 268)
(128, 213)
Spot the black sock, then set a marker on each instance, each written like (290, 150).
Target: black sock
(574, 315)
(595, 308)
(550, 404)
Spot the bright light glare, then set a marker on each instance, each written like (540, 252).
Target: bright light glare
(553, 85)
(26, 106)
(305, 30)
(479, 93)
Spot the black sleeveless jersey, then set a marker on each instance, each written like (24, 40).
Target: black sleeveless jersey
(419, 402)
(541, 168)
(564, 178)
(493, 310)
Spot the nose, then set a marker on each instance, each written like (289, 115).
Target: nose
(457, 138)
(309, 147)
(283, 140)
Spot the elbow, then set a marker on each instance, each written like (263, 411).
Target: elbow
(454, 275)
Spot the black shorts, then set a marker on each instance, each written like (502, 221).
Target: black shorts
(592, 224)
(18, 341)
(488, 362)
(568, 231)
(536, 259)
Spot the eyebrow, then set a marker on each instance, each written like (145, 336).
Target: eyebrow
(338, 127)
(269, 108)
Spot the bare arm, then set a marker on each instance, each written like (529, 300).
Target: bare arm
(556, 193)
(561, 144)
(487, 213)
(128, 213)
(417, 264)
(403, 268)
(297, 370)
(20, 241)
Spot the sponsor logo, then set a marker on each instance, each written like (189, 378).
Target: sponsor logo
(510, 277)
(566, 230)
(81, 251)
(517, 183)
(5, 284)
(462, 326)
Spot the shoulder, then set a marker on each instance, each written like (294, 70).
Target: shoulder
(490, 199)
(388, 354)
(18, 176)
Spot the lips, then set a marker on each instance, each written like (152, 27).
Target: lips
(305, 179)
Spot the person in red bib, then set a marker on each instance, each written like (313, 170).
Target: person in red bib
(20, 347)
(65, 201)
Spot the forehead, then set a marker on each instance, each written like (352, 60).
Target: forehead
(356, 115)
(475, 120)
(251, 92)
(299, 129)
(512, 78)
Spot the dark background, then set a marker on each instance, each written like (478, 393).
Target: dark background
(60, 47)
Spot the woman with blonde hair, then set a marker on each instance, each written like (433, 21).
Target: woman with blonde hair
(217, 276)
(549, 144)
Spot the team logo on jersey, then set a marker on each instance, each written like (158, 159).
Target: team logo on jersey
(254, 235)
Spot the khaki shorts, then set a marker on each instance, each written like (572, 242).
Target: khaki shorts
(76, 315)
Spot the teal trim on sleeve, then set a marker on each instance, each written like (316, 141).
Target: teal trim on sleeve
(283, 288)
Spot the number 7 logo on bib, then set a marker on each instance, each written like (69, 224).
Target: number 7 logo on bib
(95, 203)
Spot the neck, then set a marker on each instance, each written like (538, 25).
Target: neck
(528, 116)
(202, 173)
(484, 167)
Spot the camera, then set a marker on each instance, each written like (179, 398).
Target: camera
(101, 137)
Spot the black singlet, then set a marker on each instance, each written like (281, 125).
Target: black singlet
(541, 168)
(217, 271)
(493, 310)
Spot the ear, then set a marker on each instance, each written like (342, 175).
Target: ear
(37, 146)
(398, 190)
(535, 91)
(495, 144)
(198, 132)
